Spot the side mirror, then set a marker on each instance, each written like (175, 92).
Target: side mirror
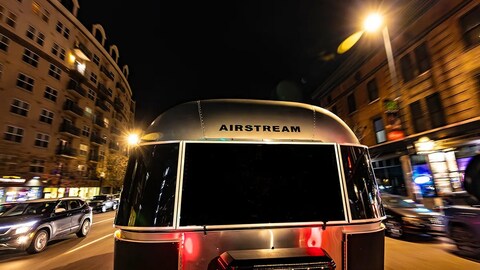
(472, 177)
(60, 210)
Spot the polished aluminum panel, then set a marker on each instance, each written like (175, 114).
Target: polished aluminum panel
(245, 119)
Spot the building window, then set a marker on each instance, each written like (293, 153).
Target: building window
(372, 90)
(14, 134)
(30, 57)
(58, 51)
(406, 67)
(435, 110)
(422, 58)
(40, 39)
(470, 24)
(91, 94)
(96, 60)
(11, 19)
(45, 16)
(37, 166)
(86, 131)
(31, 32)
(352, 105)
(93, 78)
(19, 107)
(46, 116)
(54, 71)
(1, 71)
(50, 93)
(41, 140)
(4, 42)
(25, 82)
(83, 149)
(88, 112)
(418, 117)
(420, 63)
(35, 8)
(106, 122)
(379, 128)
(62, 29)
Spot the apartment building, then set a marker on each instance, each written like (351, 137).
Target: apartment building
(422, 125)
(66, 104)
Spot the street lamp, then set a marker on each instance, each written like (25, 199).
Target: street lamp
(373, 23)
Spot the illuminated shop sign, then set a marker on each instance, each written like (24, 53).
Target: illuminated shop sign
(12, 179)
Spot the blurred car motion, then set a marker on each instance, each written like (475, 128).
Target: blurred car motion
(462, 213)
(103, 203)
(30, 225)
(4, 207)
(405, 217)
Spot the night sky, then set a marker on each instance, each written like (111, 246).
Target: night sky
(181, 51)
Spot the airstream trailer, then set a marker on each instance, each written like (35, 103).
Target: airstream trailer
(249, 184)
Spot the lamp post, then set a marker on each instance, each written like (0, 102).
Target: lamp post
(373, 23)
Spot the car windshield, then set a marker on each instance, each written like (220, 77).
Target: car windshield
(397, 202)
(30, 209)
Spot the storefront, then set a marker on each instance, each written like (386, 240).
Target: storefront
(425, 167)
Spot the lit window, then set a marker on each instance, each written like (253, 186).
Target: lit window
(379, 130)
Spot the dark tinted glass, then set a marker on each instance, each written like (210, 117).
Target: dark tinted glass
(234, 183)
(148, 193)
(363, 192)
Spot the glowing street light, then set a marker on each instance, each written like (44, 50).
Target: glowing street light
(132, 139)
(373, 23)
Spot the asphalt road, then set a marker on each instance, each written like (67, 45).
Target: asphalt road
(95, 252)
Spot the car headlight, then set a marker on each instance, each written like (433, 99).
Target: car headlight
(24, 227)
(413, 221)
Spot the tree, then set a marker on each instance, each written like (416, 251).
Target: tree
(114, 170)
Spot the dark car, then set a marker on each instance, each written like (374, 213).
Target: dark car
(405, 217)
(4, 207)
(103, 203)
(462, 213)
(30, 225)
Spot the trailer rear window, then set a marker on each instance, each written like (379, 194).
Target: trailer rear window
(249, 183)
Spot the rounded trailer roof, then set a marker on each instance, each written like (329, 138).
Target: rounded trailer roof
(247, 119)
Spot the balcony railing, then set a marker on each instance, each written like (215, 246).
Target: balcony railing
(118, 105)
(97, 139)
(120, 86)
(99, 122)
(80, 46)
(66, 151)
(71, 106)
(102, 105)
(69, 128)
(75, 87)
(115, 131)
(114, 146)
(107, 72)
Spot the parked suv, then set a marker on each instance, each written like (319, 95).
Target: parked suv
(30, 225)
(103, 203)
(462, 212)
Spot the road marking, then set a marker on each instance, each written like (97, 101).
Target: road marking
(88, 244)
(102, 221)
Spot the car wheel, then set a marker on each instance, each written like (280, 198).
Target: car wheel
(39, 242)
(465, 240)
(104, 209)
(84, 229)
(394, 228)
(114, 207)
